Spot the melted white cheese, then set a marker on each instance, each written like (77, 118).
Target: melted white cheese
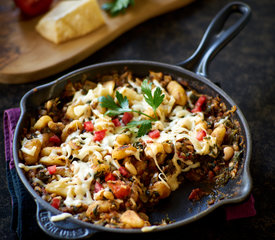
(30, 152)
(60, 217)
(27, 168)
(36, 180)
(79, 185)
(149, 228)
(175, 124)
(183, 125)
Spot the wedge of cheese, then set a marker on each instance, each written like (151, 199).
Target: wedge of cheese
(70, 19)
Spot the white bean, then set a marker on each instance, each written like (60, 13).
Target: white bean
(228, 153)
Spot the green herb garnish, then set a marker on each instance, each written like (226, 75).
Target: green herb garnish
(123, 106)
(153, 101)
(113, 108)
(144, 126)
(117, 6)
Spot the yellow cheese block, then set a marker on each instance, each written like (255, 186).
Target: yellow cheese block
(70, 19)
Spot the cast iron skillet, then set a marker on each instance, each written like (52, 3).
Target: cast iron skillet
(177, 206)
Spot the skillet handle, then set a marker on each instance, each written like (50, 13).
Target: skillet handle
(64, 229)
(216, 37)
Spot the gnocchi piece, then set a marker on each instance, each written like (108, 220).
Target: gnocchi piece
(42, 122)
(46, 151)
(44, 139)
(123, 152)
(70, 112)
(155, 150)
(59, 187)
(53, 160)
(101, 206)
(103, 123)
(70, 128)
(162, 189)
(56, 127)
(82, 110)
(107, 88)
(178, 92)
(77, 111)
(99, 195)
(122, 139)
(31, 150)
(52, 156)
(131, 219)
(102, 167)
(219, 133)
(108, 195)
(168, 148)
(130, 94)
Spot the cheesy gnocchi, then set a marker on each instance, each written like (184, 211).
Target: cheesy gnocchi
(107, 153)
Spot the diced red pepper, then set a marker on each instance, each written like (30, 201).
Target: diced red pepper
(127, 117)
(201, 100)
(196, 109)
(200, 135)
(154, 134)
(52, 169)
(88, 126)
(99, 135)
(110, 177)
(123, 171)
(116, 122)
(98, 187)
(55, 139)
(120, 189)
(55, 202)
(199, 104)
(196, 194)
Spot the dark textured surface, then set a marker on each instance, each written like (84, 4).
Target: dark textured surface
(246, 71)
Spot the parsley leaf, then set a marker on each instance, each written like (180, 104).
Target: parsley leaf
(153, 101)
(123, 106)
(113, 108)
(117, 6)
(112, 113)
(123, 101)
(145, 126)
(108, 102)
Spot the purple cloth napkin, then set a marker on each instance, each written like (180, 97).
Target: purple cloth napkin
(23, 219)
(242, 210)
(18, 192)
(11, 117)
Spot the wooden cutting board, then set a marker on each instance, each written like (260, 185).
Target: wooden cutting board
(25, 56)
